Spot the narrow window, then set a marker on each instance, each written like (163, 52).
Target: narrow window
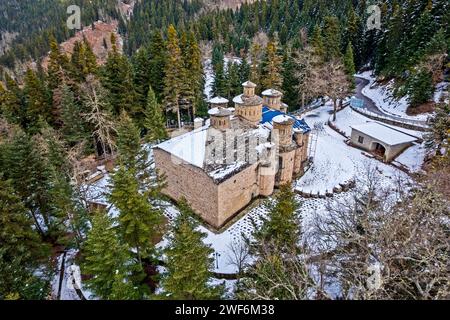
(361, 139)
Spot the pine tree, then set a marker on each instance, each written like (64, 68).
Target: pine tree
(21, 249)
(332, 39)
(118, 80)
(12, 102)
(157, 52)
(37, 101)
(349, 63)
(140, 224)
(174, 74)
(278, 272)
(290, 81)
(317, 42)
(73, 126)
(154, 120)
(141, 67)
(255, 65)
(194, 76)
(220, 81)
(281, 228)
(106, 259)
(272, 67)
(420, 88)
(123, 288)
(188, 261)
(128, 142)
(54, 69)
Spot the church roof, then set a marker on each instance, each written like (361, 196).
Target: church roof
(270, 114)
(249, 84)
(272, 93)
(218, 100)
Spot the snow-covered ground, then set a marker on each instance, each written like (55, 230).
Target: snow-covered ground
(382, 96)
(334, 161)
(441, 92)
(71, 279)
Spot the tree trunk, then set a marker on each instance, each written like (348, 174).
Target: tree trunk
(179, 117)
(334, 109)
(303, 100)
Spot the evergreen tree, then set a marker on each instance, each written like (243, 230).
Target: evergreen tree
(141, 67)
(106, 259)
(128, 142)
(118, 80)
(349, 63)
(420, 88)
(317, 42)
(188, 261)
(20, 251)
(174, 74)
(37, 101)
(281, 228)
(157, 52)
(290, 81)
(123, 288)
(278, 272)
(272, 67)
(194, 75)
(140, 224)
(154, 120)
(332, 38)
(73, 126)
(220, 81)
(11, 104)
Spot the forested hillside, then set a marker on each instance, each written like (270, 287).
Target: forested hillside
(35, 21)
(61, 124)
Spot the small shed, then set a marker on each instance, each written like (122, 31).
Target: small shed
(381, 140)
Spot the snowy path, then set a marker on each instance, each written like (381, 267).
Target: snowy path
(376, 100)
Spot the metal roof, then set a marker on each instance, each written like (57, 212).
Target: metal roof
(269, 114)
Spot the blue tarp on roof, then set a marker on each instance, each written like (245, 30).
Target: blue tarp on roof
(269, 114)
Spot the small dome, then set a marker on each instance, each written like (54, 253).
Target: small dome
(283, 119)
(219, 112)
(272, 93)
(249, 84)
(218, 100)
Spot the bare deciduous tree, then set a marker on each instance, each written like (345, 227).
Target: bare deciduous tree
(386, 243)
(99, 116)
(239, 255)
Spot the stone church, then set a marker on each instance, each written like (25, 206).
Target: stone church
(235, 156)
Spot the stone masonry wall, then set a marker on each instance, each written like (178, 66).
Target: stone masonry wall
(189, 182)
(237, 192)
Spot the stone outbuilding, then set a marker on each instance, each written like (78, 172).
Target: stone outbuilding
(381, 140)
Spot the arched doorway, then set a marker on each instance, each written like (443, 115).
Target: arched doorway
(379, 149)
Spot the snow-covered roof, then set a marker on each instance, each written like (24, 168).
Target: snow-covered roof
(249, 84)
(189, 147)
(383, 133)
(283, 118)
(218, 100)
(219, 112)
(272, 93)
(238, 99)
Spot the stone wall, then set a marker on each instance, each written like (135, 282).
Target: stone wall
(237, 192)
(286, 168)
(186, 181)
